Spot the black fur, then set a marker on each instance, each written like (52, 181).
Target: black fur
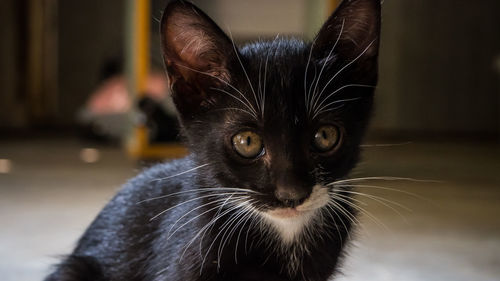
(125, 243)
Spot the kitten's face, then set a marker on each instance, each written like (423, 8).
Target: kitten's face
(282, 118)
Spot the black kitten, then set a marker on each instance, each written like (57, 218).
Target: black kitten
(273, 129)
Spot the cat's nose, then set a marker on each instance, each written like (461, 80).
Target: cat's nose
(291, 197)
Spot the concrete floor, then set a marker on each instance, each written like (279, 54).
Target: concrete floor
(451, 233)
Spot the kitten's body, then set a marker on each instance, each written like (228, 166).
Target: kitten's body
(141, 250)
(216, 215)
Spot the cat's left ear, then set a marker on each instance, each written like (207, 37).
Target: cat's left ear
(197, 55)
(353, 32)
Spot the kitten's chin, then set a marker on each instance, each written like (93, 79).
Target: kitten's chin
(289, 223)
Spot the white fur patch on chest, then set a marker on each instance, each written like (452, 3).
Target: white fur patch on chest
(290, 224)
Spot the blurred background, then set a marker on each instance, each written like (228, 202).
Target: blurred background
(83, 95)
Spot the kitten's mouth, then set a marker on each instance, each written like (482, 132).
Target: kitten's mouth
(319, 197)
(285, 213)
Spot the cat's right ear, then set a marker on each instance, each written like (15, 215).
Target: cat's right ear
(197, 55)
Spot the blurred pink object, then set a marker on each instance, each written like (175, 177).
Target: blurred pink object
(112, 96)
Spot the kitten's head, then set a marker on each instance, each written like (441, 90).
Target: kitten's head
(283, 118)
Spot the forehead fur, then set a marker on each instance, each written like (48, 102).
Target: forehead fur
(281, 55)
(274, 68)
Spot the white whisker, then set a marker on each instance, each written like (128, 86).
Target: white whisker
(427, 200)
(348, 215)
(351, 217)
(254, 114)
(191, 200)
(362, 210)
(192, 219)
(237, 221)
(382, 178)
(209, 225)
(324, 109)
(306, 93)
(244, 70)
(310, 87)
(378, 200)
(182, 173)
(214, 240)
(324, 64)
(320, 107)
(386, 144)
(238, 109)
(223, 81)
(212, 222)
(343, 68)
(259, 89)
(329, 207)
(263, 100)
(247, 218)
(200, 189)
(194, 238)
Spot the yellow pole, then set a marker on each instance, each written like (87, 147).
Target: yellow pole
(138, 56)
(333, 5)
(142, 65)
(142, 45)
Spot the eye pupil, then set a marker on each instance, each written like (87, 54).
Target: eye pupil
(323, 132)
(326, 138)
(248, 144)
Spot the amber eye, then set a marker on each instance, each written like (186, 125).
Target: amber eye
(326, 138)
(248, 144)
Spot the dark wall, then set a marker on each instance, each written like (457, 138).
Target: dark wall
(438, 66)
(90, 32)
(12, 111)
(437, 61)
